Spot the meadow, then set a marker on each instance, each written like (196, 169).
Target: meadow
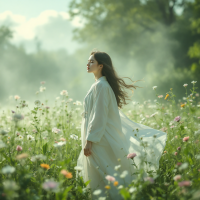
(39, 148)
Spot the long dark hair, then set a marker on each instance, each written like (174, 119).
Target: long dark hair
(113, 79)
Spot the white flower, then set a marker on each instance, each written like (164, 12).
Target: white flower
(42, 89)
(70, 99)
(102, 198)
(59, 144)
(117, 167)
(193, 82)
(183, 166)
(16, 97)
(120, 187)
(185, 85)
(78, 168)
(154, 87)
(124, 174)
(57, 98)
(56, 130)
(153, 114)
(37, 102)
(78, 103)
(75, 137)
(38, 157)
(30, 137)
(97, 192)
(8, 169)
(198, 105)
(64, 92)
(132, 189)
(10, 185)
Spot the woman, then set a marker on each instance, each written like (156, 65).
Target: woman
(108, 136)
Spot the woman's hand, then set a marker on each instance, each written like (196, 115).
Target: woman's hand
(87, 148)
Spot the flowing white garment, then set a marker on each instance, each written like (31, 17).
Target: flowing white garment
(113, 137)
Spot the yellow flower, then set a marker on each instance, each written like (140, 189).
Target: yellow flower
(165, 151)
(166, 96)
(46, 166)
(115, 183)
(182, 105)
(107, 187)
(21, 156)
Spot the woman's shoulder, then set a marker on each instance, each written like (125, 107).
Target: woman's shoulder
(101, 85)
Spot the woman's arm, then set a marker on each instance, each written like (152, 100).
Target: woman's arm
(96, 127)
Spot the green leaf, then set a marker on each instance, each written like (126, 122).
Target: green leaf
(44, 148)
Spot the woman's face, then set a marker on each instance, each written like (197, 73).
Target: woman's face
(92, 65)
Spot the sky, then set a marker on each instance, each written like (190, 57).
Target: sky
(45, 21)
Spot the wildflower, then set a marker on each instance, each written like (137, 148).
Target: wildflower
(175, 153)
(17, 97)
(115, 183)
(22, 156)
(197, 94)
(63, 139)
(185, 139)
(177, 119)
(38, 157)
(179, 148)
(107, 187)
(30, 137)
(10, 185)
(20, 137)
(78, 168)
(56, 130)
(150, 179)
(50, 185)
(154, 87)
(8, 169)
(73, 136)
(184, 183)
(166, 96)
(78, 103)
(17, 117)
(117, 167)
(59, 144)
(165, 151)
(178, 163)
(153, 114)
(183, 166)
(182, 105)
(110, 178)
(66, 173)
(37, 102)
(176, 136)
(42, 89)
(185, 85)
(97, 192)
(131, 155)
(64, 92)
(132, 189)
(177, 177)
(160, 96)
(193, 82)
(19, 148)
(45, 166)
(124, 174)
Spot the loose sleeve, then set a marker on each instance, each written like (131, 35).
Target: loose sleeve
(97, 124)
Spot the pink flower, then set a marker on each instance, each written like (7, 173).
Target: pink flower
(110, 178)
(175, 153)
(131, 155)
(179, 148)
(151, 180)
(184, 183)
(177, 119)
(19, 148)
(185, 139)
(177, 177)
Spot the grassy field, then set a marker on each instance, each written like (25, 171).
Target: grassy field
(39, 149)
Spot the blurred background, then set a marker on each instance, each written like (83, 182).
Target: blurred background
(157, 41)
